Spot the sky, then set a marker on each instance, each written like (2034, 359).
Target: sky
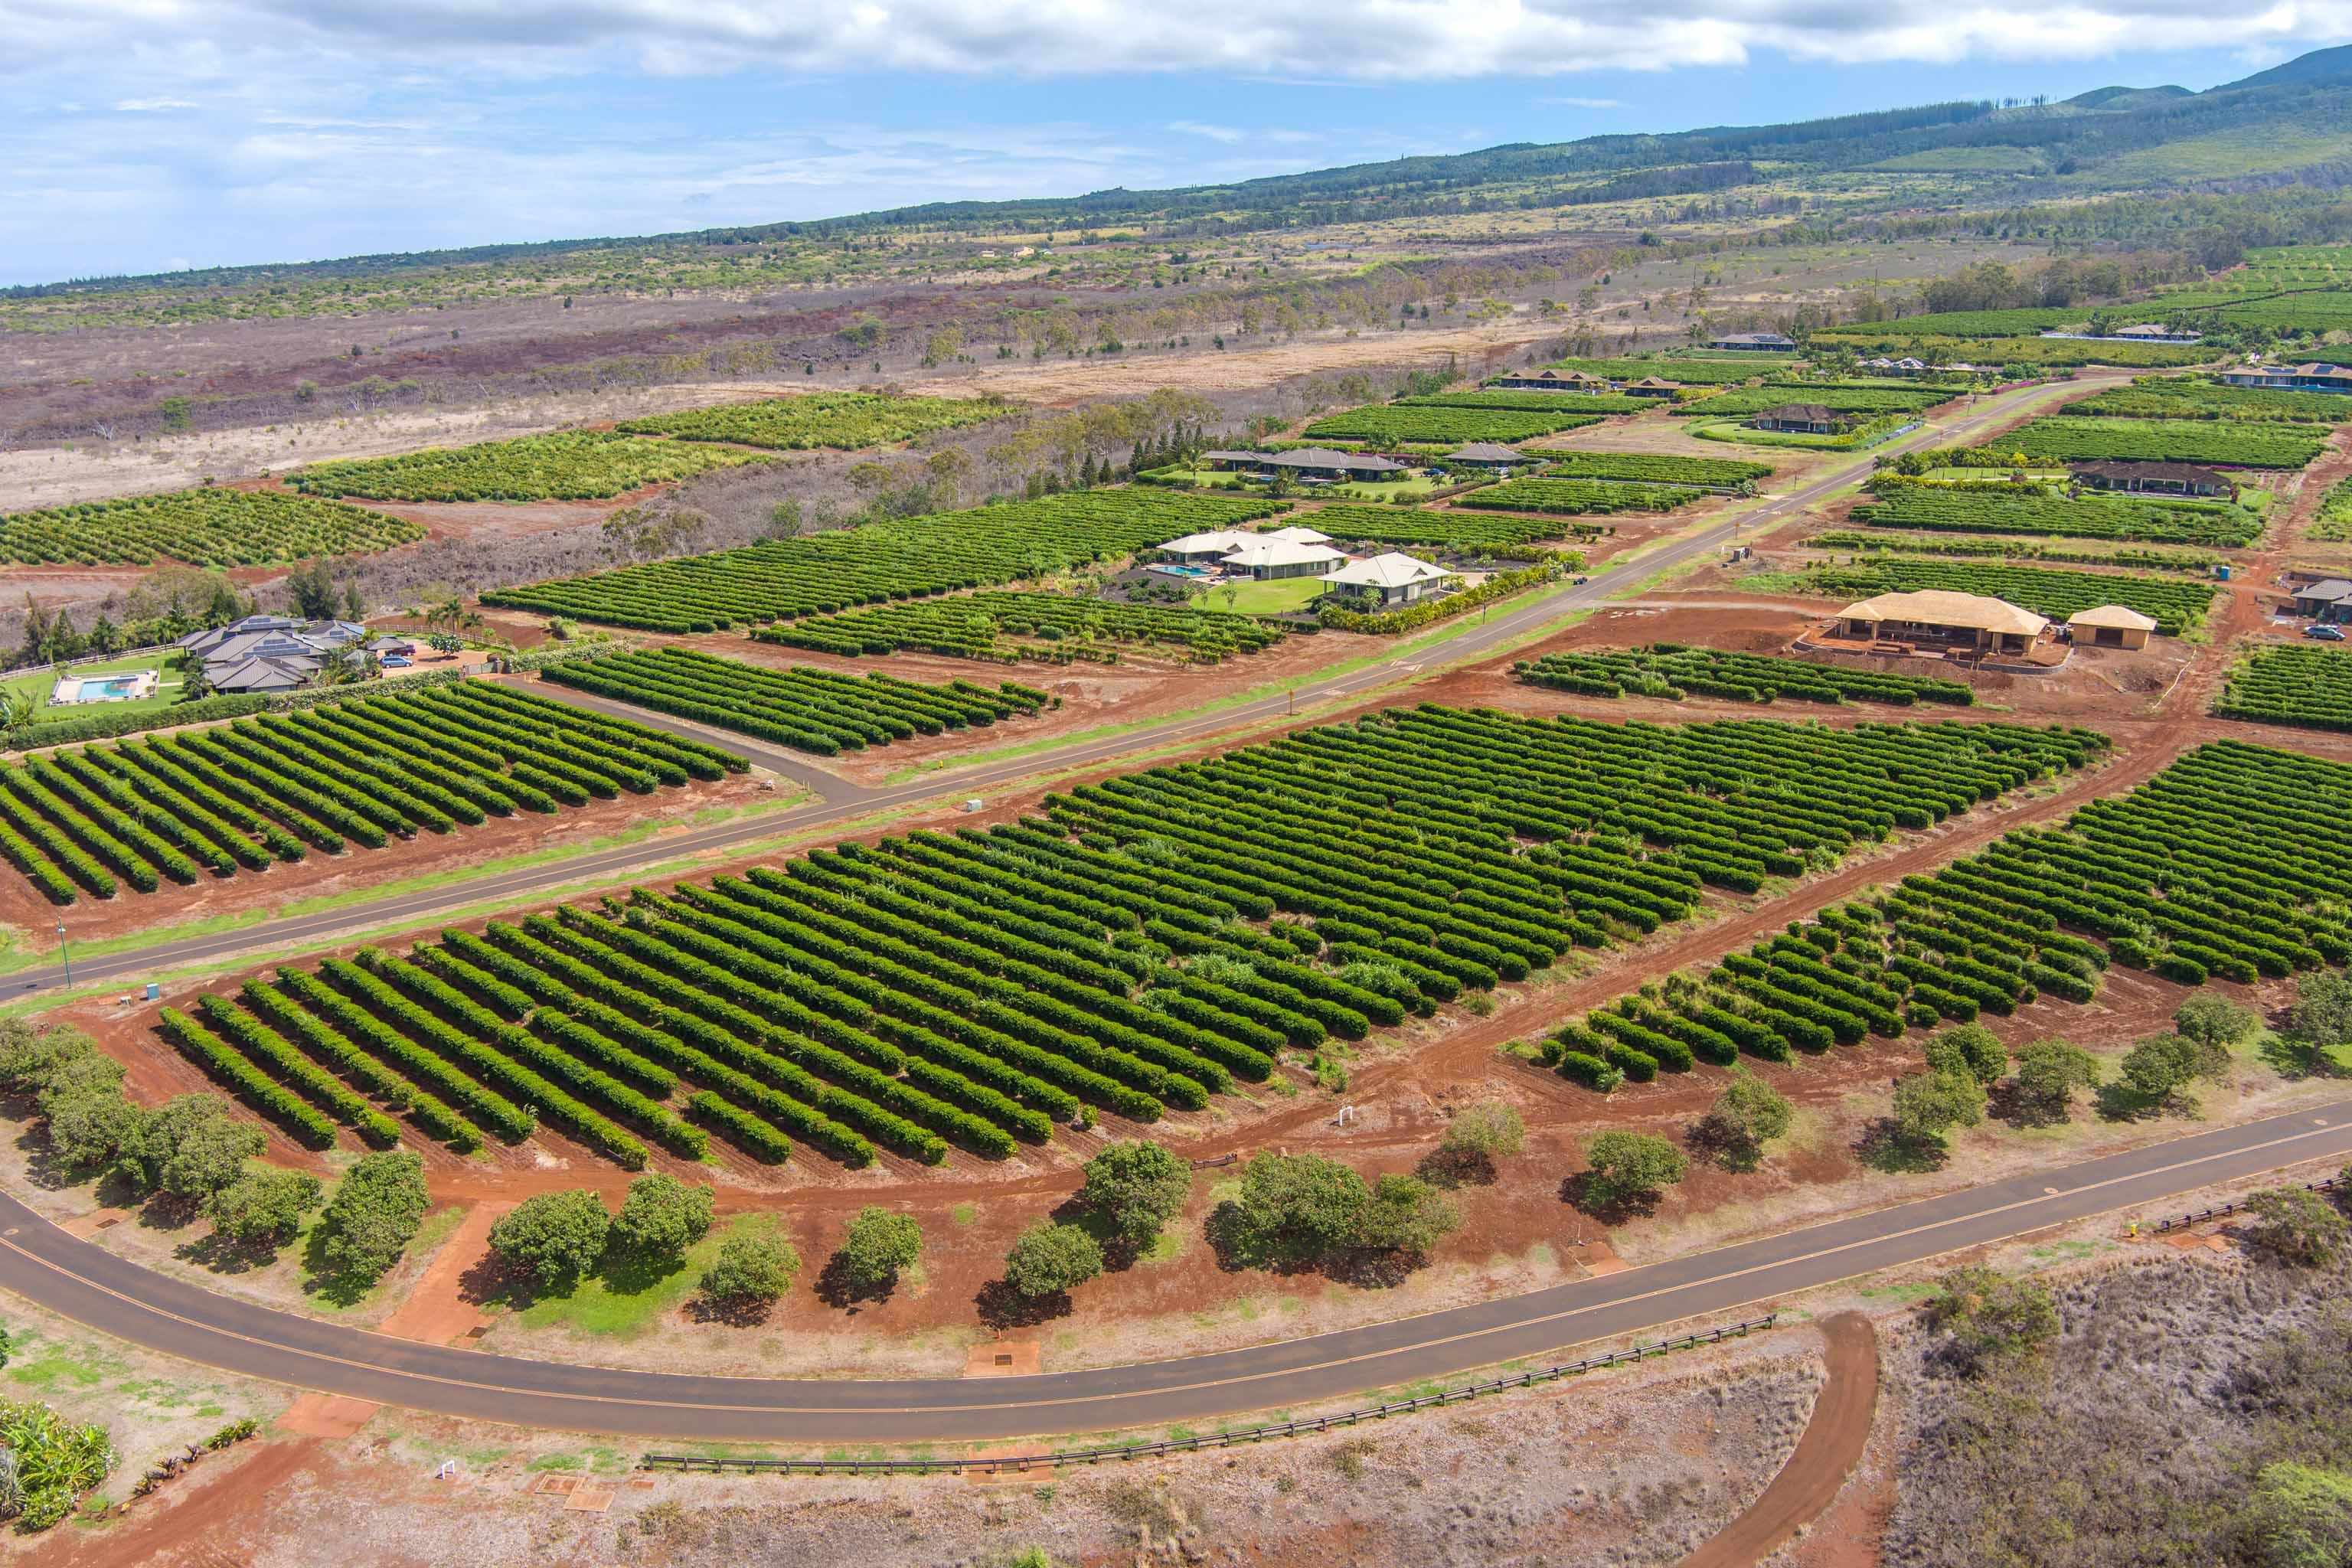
(149, 135)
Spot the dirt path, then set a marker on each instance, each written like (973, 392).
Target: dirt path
(1825, 1455)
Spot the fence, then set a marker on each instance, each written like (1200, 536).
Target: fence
(2327, 1184)
(687, 1462)
(165, 648)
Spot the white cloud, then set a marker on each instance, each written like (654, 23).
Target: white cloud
(152, 105)
(1583, 102)
(1224, 133)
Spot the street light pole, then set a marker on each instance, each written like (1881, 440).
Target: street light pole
(64, 955)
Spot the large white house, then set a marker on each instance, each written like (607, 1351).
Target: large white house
(1266, 559)
(1392, 579)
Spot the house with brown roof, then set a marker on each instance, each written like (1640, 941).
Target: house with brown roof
(1551, 380)
(1650, 386)
(1960, 623)
(1486, 455)
(2316, 378)
(2111, 626)
(1754, 343)
(2152, 479)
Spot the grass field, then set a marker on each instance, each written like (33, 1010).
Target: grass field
(38, 687)
(1275, 598)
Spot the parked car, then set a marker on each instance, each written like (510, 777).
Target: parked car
(396, 661)
(2324, 632)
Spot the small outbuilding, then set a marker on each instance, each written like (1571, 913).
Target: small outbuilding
(1234, 461)
(1268, 558)
(2111, 626)
(1486, 455)
(1392, 579)
(1549, 380)
(1297, 534)
(1651, 386)
(1965, 623)
(1322, 463)
(1754, 343)
(2319, 376)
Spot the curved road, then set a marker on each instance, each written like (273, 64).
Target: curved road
(842, 801)
(94, 1287)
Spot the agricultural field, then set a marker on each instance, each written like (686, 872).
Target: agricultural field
(567, 465)
(2290, 683)
(842, 420)
(2029, 352)
(1837, 399)
(2180, 397)
(1644, 468)
(1052, 628)
(1725, 372)
(1988, 510)
(819, 712)
(2176, 606)
(1387, 424)
(972, 991)
(1578, 496)
(2014, 547)
(274, 788)
(2233, 443)
(2182, 876)
(2316, 312)
(826, 573)
(2015, 323)
(1531, 401)
(1410, 527)
(210, 527)
(2332, 521)
(1672, 671)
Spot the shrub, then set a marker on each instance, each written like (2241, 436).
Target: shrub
(1622, 1166)
(190, 1146)
(1049, 1259)
(2322, 1013)
(1968, 1049)
(2049, 1071)
(750, 1270)
(1489, 1128)
(1138, 1186)
(1930, 1104)
(1748, 1114)
(2295, 1226)
(51, 1463)
(263, 1204)
(2217, 1021)
(375, 1211)
(2159, 1070)
(556, 1236)
(880, 1243)
(1405, 1214)
(1988, 1315)
(662, 1216)
(2296, 1517)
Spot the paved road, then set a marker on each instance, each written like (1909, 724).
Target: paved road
(841, 801)
(94, 1287)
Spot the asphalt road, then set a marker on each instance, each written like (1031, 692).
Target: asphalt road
(842, 801)
(91, 1286)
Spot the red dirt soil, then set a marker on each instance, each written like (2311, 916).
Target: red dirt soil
(1833, 1444)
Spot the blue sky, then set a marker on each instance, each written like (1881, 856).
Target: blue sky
(143, 135)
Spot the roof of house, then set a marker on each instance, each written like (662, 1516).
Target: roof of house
(2328, 589)
(2323, 368)
(1208, 544)
(1656, 383)
(1485, 452)
(2114, 616)
(1393, 570)
(1577, 377)
(1297, 533)
(1280, 552)
(2177, 473)
(1233, 457)
(2144, 329)
(1941, 607)
(1324, 457)
(1798, 413)
(1753, 338)
(259, 675)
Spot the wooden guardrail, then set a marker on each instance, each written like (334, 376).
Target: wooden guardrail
(2180, 1222)
(689, 1462)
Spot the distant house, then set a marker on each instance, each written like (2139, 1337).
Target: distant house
(1754, 342)
(1486, 455)
(1796, 419)
(1268, 560)
(1650, 386)
(1196, 548)
(1231, 462)
(2153, 478)
(1906, 367)
(1391, 579)
(2150, 332)
(1297, 534)
(2329, 599)
(2317, 377)
(1320, 464)
(1551, 381)
(2111, 626)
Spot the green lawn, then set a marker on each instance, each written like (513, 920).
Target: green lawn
(624, 1298)
(38, 687)
(1273, 598)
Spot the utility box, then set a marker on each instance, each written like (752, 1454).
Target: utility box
(154, 991)
(971, 806)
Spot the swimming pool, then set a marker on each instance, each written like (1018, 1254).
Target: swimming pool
(1168, 571)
